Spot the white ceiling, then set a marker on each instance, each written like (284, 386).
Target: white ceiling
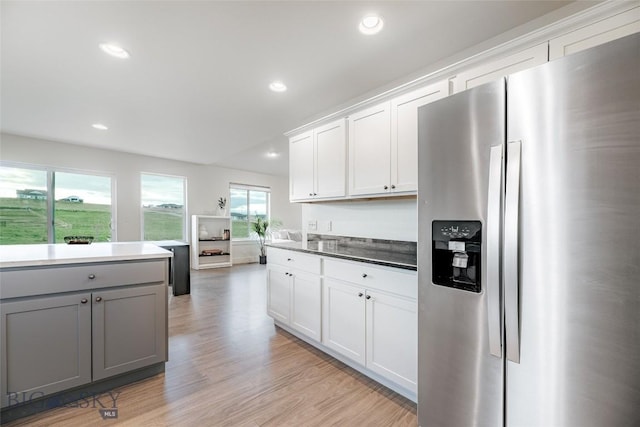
(196, 85)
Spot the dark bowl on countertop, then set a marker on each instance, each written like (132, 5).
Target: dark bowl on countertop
(78, 240)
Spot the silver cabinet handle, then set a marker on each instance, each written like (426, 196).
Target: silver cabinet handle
(84, 300)
(368, 296)
(98, 299)
(289, 259)
(494, 218)
(92, 276)
(364, 275)
(510, 254)
(360, 294)
(393, 186)
(386, 187)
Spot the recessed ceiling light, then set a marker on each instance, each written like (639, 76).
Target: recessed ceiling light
(371, 24)
(277, 86)
(114, 50)
(99, 126)
(273, 154)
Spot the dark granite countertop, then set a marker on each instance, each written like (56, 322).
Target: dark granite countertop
(386, 253)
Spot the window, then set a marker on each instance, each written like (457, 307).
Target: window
(80, 206)
(163, 207)
(247, 203)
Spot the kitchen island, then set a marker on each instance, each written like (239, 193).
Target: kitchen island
(79, 320)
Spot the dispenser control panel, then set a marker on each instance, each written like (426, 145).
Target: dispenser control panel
(455, 231)
(457, 254)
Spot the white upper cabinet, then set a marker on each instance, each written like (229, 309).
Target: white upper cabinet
(301, 165)
(404, 134)
(502, 67)
(370, 150)
(383, 144)
(605, 30)
(317, 163)
(331, 160)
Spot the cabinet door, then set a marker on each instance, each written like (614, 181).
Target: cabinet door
(331, 159)
(495, 70)
(301, 166)
(370, 150)
(278, 294)
(343, 319)
(129, 329)
(46, 346)
(606, 30)
(404, 134)
(306, 304)
(392, 338)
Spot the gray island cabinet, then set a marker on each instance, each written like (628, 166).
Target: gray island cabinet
(79, 320)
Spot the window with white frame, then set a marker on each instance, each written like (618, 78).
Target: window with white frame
(247, 203)
(39, 205)
(164, 210)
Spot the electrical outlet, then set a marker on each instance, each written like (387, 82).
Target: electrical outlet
(312, 225)
(324, 225)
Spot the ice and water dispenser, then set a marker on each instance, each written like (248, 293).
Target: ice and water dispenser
(456, 254)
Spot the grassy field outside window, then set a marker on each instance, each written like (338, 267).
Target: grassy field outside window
(247, 204)
(163, 200)
(80, 206)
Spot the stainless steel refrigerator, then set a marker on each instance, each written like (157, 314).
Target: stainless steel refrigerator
(529, 247)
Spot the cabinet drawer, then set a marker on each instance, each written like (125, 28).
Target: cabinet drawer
(370, 276)
(48, 280)
(293, 259)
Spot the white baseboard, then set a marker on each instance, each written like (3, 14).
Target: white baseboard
(245, 260)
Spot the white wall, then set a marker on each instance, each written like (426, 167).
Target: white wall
(205, 184)
(392, 219)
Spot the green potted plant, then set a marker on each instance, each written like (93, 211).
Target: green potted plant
(259, 227)
(222, 204)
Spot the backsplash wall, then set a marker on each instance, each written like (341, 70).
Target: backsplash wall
(393, 219)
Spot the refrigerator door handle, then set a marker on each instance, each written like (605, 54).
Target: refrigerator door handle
(494, 218)
(510, 247)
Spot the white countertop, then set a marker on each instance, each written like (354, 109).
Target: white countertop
(170, 243)
(35, 255)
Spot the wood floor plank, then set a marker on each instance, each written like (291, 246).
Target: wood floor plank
(230, 366)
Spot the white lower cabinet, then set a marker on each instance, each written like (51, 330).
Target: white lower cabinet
(344, 319)
(392, 332)
(294, 291)
(306, 304)
(370, 315)
(278, 294)
(364, 312)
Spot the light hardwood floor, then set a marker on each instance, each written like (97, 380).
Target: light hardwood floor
(229, 366)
